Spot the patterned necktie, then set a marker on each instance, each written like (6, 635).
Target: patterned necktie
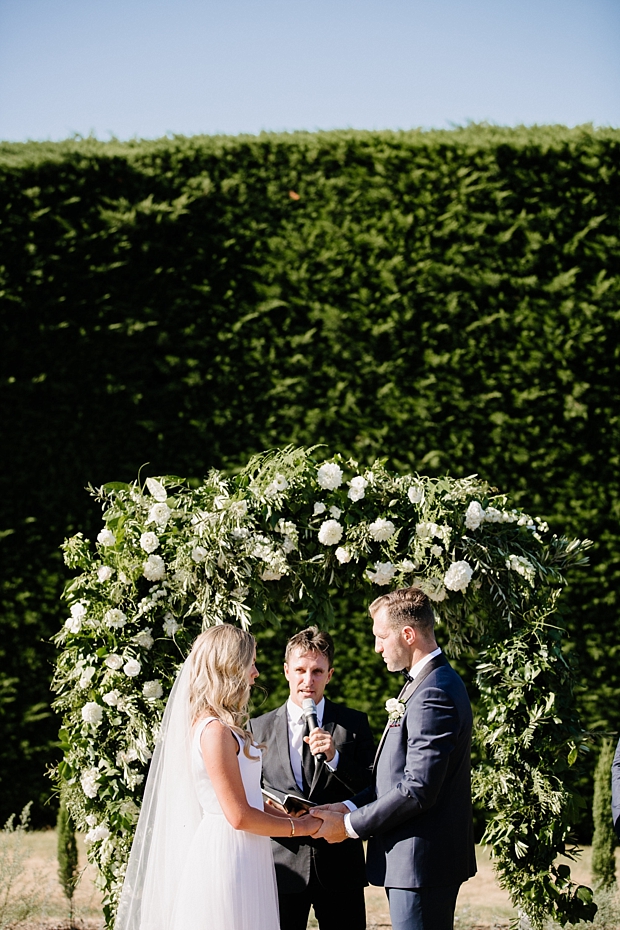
(307, 762)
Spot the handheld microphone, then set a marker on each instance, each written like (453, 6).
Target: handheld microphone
(309, 710)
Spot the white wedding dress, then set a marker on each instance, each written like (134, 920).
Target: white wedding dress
(229, 880)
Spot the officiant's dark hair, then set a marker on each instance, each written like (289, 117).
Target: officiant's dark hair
(311, 640)
(406, 607)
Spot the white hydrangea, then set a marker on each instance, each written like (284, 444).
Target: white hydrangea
(523, 567)
(89, 782)
(156, 489)
(381, 529)
(113, 661)
(330, 533)
(335, 512)
(329, 476)
(111, 698)
(159, 514)
(104, 573)
(106, 537)
(270, 574)
(98, 833)
(92, 713)
(199, 553)
(149, 542)
(115, 618)
(474, 515)
(152, 690)
(492, 515)
(132, 668)
(458, 576)
(144, 638)
(383, 573)
(170, 625)
(357, 488)
(343, 555)
(154, 568)
(319, 508)
(415, 493)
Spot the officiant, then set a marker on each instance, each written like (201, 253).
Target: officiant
(309, 872)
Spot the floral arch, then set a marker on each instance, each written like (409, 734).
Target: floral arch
(172, 558)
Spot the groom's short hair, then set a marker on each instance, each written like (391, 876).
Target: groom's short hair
(406, 607)
(311, 640)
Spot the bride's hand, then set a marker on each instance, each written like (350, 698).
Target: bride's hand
(307, 825)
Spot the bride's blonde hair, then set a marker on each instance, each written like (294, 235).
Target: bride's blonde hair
(219, 663)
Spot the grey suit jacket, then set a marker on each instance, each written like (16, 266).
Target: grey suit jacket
(615, 790)
(338, 866)
(418, 814)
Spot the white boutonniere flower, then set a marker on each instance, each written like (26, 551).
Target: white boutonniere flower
(395, 709)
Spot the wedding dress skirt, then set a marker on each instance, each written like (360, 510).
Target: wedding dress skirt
(229, 879)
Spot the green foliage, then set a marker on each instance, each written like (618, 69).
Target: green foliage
(446, 299)
(285, 537)
(68, 872)
(20, 897)
(604, 840)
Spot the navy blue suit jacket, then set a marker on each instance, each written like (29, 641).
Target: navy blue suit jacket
(417, 816)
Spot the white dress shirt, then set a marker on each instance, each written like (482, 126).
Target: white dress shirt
(414, 671)
(296, 727)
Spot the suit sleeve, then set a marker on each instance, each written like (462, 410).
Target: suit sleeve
(432, 730)
(356, 758)
(615, 790)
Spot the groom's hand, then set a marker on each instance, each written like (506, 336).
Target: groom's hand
(321, 741)
(338, 808)
(332, 829)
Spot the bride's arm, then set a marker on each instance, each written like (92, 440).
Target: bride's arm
(219, 752)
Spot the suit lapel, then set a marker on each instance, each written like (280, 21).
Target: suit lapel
(282, 742)
(406, 694)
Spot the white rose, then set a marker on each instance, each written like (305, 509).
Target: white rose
(383, 573)
(426, 531)
(78, 611)
(280, 483)
(157, 489)
(458, 576)
(407, 566)
(329, 476)
(343, 555)
(115, 619)
(336, 512)
(113, 661)
(152, 690)
(270, 575)
(149, 542)
(88, 780)
(319, 508)
(436, 551)
(154, 568)
(104, 573)
(111, 697)
(106, 537)
(73, 625)
(159, 514)
(92, 713)
(91, 820)
(434, 589)
(132, 668)
(239, 508)
(96, 834)
(170, 625)
(144, 638)
(86, 677)
(393, 705)
(357, 488)
(199, 553)
(415, 494)
(381, 529)
(474, 515)
(330, 533)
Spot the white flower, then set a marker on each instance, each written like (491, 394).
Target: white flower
(407, 566)
(241, 532)
(96, 834)
(434, 589)
(88, 780)
(113, 661)
(199, 553)
(523, 566)
(395, 709)
(170, 625)
(157, 489)
(86, 677)
(330, 533)
(329, 476)
(152, 690)
(415, 494)
(149, 542)
(278, 485)
(115, 619)
(383, 573)
(474, 515)
(154, 568)
(104, 573)
(436, 551)
(239, 509)
(289, 545)
(492, 515)
(319, 508)
(159, 514)
(126, 757)
(78, 610)
(106, 537)
(92, 713)
(381, 529)
(73, 625)
(336, 512)
(426, 531)
(343, 555)
(144, 638)
(357, 488)
(91, 820)
(111, 697)
(132, 668)
(270, 575)
(458, 576)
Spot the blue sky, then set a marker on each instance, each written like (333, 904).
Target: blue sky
(149, 67)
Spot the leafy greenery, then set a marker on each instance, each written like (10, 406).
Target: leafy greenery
(604, 840)
(68, 872)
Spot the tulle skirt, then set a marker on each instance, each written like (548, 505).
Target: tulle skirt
(229, 882)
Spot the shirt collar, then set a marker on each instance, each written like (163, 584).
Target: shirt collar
(295, 712)
(415, 670)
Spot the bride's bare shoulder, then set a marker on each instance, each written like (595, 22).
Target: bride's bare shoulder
(216, 734)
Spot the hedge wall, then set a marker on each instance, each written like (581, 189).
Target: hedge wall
(448, 300)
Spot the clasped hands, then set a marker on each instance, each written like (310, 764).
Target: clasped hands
(332, 826)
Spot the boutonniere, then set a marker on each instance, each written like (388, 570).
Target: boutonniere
(395, 709)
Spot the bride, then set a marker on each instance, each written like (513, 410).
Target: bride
(201, 857)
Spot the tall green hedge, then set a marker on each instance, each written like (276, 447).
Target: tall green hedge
(446, 299)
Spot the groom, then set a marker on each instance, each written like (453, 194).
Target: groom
(417, 816)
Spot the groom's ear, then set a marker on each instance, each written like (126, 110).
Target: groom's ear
(409, 634)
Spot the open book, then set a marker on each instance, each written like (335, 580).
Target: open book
(291, 803)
